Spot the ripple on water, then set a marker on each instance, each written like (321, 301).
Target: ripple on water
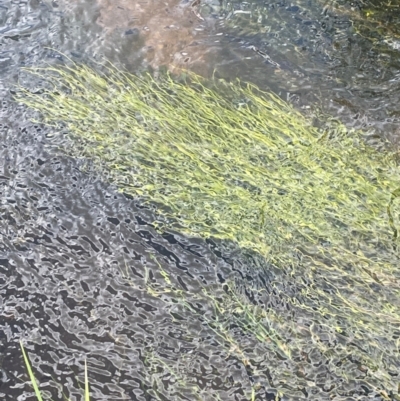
(77, 264)
(83, 273)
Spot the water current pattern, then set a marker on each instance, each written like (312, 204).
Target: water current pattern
(84, 275)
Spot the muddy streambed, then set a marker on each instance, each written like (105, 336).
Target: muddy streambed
(84, 274)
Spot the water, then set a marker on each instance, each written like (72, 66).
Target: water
(325, 55)
(82, 271)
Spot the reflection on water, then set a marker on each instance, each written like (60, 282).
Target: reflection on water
(82, 273)
(325, 56)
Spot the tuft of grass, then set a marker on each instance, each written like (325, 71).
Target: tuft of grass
(87, 394)
(241, 166)
(31, 374)
(34, 382)
(229, 161)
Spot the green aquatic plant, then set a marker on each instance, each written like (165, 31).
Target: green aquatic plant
(31, 374)
(34, 382)
(225, 160)
(241, 166)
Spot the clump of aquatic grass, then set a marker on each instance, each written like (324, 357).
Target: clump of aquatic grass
(228, 161)
(244, 166)
(35, 384)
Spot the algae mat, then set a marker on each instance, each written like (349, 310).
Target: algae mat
(230, 162)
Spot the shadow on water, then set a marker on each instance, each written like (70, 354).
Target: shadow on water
(80, 273)
(84, 274)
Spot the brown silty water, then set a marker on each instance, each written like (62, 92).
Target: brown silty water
(172, 34)
(175, 35)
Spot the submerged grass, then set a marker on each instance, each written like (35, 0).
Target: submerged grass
(228, 161)
(34, 382)
(31, 374)
(244, 166)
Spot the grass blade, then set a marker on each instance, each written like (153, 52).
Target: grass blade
(31, 375)
(87, 397)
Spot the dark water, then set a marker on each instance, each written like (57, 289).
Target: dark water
(82, 272)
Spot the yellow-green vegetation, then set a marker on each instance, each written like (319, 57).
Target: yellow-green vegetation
(35, 386)
(243, 167)
(230, 162)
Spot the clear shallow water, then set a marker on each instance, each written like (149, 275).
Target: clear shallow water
(321, 52)
(79, 265)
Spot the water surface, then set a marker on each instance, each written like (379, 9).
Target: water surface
(82, 271)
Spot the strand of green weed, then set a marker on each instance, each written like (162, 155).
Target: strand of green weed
(34, 382)
(31, 374)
